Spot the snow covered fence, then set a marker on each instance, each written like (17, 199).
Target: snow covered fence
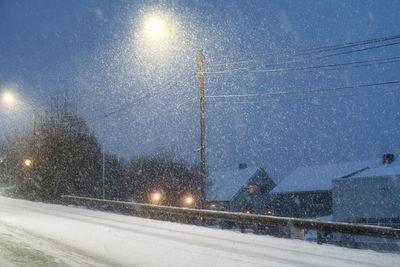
(252, 221)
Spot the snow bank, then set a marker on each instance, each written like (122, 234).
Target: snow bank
(110, 239)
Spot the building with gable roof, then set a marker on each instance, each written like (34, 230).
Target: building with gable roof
(369, 197)
(307, 191)
(240, 189)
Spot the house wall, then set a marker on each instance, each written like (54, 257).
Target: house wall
(255, 202)
(243, 201)
(310, 204)
(374, 200)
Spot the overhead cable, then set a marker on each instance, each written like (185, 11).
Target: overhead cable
(140, 100)
(305, 91)
(301, 99)
(332, 66)
(304, 52)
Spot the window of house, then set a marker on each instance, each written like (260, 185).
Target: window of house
(252, 189)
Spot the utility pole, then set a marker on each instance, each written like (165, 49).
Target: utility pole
(202, 132)
(104, 172)
(34, 149)
(34, 122)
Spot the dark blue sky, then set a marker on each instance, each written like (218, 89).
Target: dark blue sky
(95, 53)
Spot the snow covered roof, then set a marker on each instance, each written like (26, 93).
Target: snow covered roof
(381, 170)
(225, 184)
(313, 178)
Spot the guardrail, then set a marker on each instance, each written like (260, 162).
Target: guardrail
(243, 220)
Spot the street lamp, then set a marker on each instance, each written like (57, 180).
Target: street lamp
(9, 98)
(155, 27)
(27, 170)
(12, 100)
(28, 163)
(156, 198)
(188, 201)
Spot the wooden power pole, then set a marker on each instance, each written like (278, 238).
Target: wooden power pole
(202, 132)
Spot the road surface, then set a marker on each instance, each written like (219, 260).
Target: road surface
(38, 234)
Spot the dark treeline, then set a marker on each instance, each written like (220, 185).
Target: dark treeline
(62, 156)
(163, 173)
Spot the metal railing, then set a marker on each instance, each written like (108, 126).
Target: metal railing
(243, 220)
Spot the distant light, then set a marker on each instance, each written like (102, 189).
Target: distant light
(154, 26)
(189, 200)
(155, 198)
(28, 162)
(212, 205)
(248, 212)
(8, 97)
(269, 212)
(158, 36)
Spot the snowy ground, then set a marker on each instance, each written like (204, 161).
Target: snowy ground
(37, 234)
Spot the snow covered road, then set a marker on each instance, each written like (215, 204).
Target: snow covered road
(38, 234)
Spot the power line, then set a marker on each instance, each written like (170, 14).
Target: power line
(285, 63)
(359, 50)
(305, 91)
(176, 106)
(122, 106)
(170, 83)
(362, 63)
(300, 99)
(300, 60)
(129, 105)
(302, 52)
(316, 50)
(140, 100)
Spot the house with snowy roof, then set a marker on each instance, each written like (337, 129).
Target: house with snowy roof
(369, 197)
(240, 189)
(307, 191)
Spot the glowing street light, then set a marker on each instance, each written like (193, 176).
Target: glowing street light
(158, 34)
(8, 98)
(28, 162)
(155, 198)
(189, 201)
(27, 170)
(154, 26)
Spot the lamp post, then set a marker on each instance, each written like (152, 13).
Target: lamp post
(10, 99)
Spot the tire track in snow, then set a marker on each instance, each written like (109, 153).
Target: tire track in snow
(127, 226)
(94, 214)
(44, 251)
